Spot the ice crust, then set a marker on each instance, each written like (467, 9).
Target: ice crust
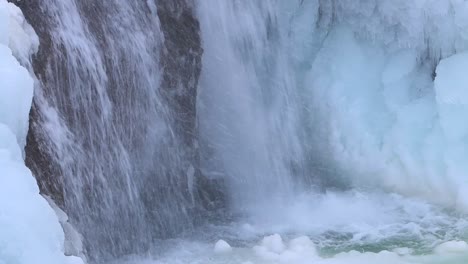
(30, 232)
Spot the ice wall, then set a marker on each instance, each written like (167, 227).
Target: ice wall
(438, 28)
(387, 89)
(30, 232)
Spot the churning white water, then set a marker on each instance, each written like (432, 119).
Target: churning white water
(336, 227)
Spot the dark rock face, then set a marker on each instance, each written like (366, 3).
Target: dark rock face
(113, 129)
(181, 59)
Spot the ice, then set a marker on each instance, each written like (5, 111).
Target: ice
(14, 113)
(30, 230)
(22, 39)
(73, 245)
(439, 27)
(377, 107)
(222, 247)
(452, 247)
(451, 87)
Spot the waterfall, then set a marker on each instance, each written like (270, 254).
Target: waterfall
(155, 123)
(248, 104)
(112, 133)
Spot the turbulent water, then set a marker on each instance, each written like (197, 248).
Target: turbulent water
(302, 131)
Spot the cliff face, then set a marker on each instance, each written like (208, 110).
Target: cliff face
(113, 131)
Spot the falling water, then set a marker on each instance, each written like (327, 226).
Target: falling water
(113, 124)
(248, 103)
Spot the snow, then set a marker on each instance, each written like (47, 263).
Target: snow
(30, 230)
(222, 247)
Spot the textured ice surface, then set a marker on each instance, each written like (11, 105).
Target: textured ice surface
(30, 232)
(376, 106)
(439, 28)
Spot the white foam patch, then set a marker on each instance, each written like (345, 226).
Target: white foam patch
(272, 249)
(222, 247)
